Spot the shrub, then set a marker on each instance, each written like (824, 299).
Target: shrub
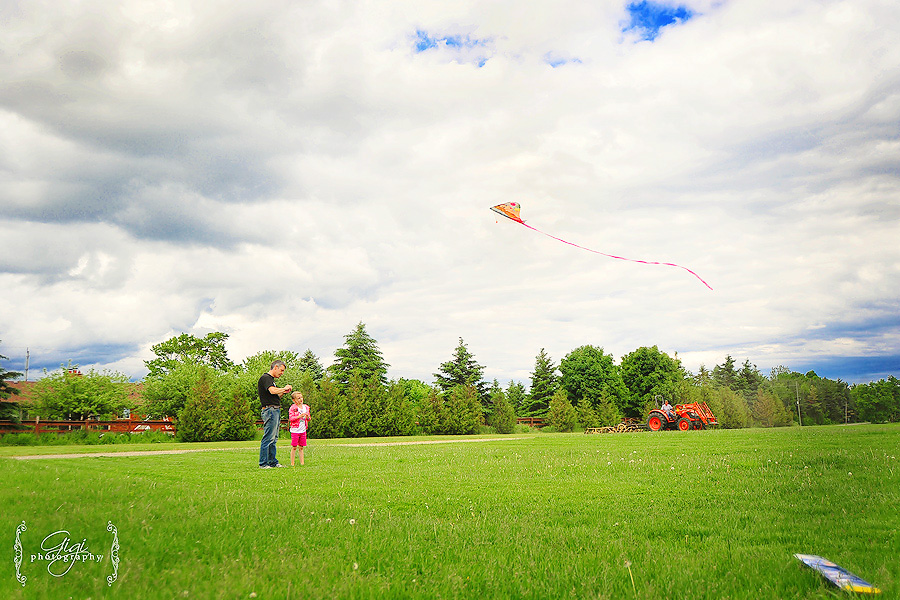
(463, 411)
(562, 415)
(240, 420)
(203, 418)
(504, 417)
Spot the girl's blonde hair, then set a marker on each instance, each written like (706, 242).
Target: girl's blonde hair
(295, 395)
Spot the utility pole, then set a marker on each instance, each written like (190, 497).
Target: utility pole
(27, 355)
(799, 417)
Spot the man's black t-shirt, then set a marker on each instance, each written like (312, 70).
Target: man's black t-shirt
(265, 397)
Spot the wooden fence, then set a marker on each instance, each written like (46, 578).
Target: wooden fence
(118, 426)
(531, 421)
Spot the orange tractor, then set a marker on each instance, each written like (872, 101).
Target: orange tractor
(683, 417)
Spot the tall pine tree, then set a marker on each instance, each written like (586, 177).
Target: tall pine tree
(544, 383)
(361, 355)
(309, 363)
(462, 370)
(8, 410)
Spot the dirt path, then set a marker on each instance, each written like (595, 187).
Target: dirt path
(186, 451)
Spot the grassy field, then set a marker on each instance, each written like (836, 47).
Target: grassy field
(703, 514)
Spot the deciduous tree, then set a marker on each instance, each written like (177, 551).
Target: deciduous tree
(588, 373)
(186, 348)
(69, 394)
(649, 372)
(878, 401)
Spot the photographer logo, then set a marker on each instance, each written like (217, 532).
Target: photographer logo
(59, 552)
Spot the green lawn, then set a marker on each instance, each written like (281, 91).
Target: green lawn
(702, 514)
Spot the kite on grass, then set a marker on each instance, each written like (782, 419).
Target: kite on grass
(837, 575)
(510, 210)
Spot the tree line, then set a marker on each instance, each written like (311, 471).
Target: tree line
(193, 379)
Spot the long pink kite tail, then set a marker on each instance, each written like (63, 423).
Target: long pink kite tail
(646, 262)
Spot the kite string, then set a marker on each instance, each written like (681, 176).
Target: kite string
(646, 262)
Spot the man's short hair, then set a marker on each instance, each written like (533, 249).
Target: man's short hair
(276, 363)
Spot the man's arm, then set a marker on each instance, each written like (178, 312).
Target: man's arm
(280, 391)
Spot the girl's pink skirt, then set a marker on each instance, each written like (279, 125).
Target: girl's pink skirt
(298, 439)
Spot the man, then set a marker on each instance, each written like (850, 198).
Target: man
(668, 408)
(270, 398)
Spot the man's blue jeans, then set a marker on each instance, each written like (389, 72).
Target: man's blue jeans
(271, 418)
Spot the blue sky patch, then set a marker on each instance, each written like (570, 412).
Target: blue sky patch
(648, 18)
(555, 60)
(466, 49)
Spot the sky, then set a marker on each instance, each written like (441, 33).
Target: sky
(281, 171)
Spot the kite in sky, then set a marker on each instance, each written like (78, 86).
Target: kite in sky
(510, 210)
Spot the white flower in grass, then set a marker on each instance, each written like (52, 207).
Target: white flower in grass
(353, 521)
(355, 566)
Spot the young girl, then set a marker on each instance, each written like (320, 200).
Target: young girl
(298, 417)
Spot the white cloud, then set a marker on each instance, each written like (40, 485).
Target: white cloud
(282, 171)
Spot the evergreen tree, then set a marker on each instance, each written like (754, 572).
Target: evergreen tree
(768, 411)
(561, 415)
(401, 412)
(734, 412)
(607, 412)
(202, 418)
(463, 411)
(587, 417)
(724, 374)
(309, 363)
(544, 384)
(239, 417)
(515, 393)
(360, 354)
(362, 404)
(8, 410)
(812, 413)
(748, 380)
(503, 419)
(328, 411)
(703, 376)
(431, 413)
(465, 371)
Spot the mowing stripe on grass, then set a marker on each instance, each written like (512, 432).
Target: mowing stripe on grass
(112, 454)
(186, 451)
(419, 443)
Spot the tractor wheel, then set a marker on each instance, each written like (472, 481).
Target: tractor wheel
(684, 424)
(699, 425)
(655, 423)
